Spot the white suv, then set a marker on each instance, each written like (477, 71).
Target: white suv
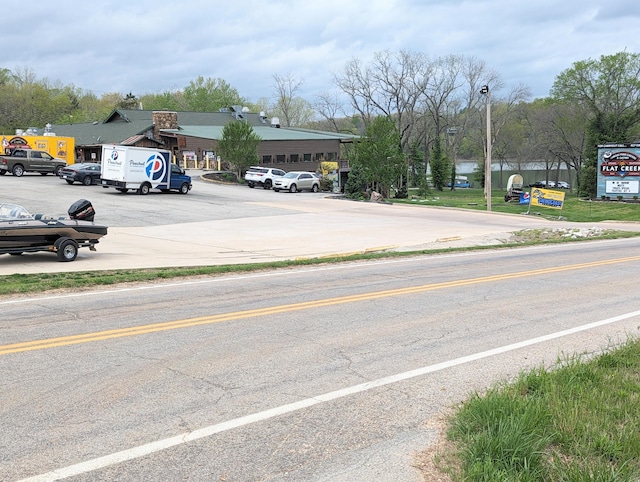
(262, 176)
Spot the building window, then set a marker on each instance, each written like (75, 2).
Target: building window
(319, 156)
(306, 157)
(332, 156)
(266, 159)
(280, 158)
(294, 158)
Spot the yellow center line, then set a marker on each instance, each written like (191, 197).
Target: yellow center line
(239, 315)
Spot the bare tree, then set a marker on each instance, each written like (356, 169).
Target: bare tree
(292, 110)
(328, 106)
(390, 86)
(557, 135)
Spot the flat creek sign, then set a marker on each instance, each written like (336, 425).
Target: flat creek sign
(619, 170)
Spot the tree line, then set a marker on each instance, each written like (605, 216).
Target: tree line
(412, 110)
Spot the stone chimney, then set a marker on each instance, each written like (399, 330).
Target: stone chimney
(164, 120)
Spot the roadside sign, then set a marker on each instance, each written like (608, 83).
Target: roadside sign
(546, 198)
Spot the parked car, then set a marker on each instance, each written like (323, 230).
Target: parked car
(86, 173)
(297, 181)
(30, 160)
(542, 184)
(262, 176)
(563, 185)
(460, 184)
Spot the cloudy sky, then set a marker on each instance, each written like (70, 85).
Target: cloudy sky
(151, 46)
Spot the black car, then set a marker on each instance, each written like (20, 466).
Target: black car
(87, 173)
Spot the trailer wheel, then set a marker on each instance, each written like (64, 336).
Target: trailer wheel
(144, 189)
(184, 188)
(67, 249)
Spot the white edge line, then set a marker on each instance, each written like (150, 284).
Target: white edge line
(152, 447)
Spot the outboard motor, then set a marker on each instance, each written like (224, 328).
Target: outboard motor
(82, 210)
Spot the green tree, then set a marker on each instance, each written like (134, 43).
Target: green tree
(610, 90)
(239, 145)
(210, 95)
(172, 100)
(417, 176)
(379, 156)
(356, 183)
(441, 170)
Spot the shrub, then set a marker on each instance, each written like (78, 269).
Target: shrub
(326, 184)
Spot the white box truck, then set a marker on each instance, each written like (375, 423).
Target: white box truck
(141, 169)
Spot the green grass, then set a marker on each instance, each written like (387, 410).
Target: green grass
(580, 422)
(29, 283)
(574, 209)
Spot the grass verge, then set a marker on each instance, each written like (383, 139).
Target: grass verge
(41, 282)
(575, 423)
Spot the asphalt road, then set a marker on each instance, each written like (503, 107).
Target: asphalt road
(221, 224)
(331, 373)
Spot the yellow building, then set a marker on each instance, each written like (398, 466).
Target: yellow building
(60, 147)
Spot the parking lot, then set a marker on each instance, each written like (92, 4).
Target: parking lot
(206, 202)
(219, 224)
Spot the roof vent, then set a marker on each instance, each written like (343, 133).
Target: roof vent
(236, 110)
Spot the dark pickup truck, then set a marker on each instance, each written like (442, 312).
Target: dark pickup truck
(30, 160)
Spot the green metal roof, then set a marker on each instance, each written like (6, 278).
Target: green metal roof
(121, 124)
(265, 133)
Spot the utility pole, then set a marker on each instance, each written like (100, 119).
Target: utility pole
(487, 168)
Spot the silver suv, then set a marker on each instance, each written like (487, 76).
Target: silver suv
(297, 181)
(262, 176)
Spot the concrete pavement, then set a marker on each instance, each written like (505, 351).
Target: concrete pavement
(302, 227)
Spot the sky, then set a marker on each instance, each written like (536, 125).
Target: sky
(154, 46)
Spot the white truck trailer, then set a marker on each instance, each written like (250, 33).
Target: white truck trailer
(141, 169)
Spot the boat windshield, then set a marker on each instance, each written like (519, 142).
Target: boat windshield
(12, 212)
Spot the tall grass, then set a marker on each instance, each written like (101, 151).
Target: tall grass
(580, 422)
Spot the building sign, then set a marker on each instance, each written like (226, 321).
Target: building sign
(618, 170)
(547, 198)
(623, 187)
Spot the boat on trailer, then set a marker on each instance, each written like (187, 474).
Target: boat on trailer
(23, 232)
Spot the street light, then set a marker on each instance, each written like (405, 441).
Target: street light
(487, 168)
